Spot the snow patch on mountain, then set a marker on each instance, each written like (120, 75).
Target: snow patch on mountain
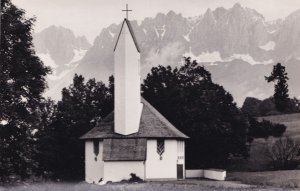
(215, 56)
(163, 31)
(272, 31)
(112, 34)
(156, 32)
(268, 46)
(187, 36)
(160, 31)
(47, 60)
(206, 56)
(249, 59)
(79, 54)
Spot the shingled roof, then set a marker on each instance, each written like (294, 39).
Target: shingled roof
(131, 32)
(152, 125)
(124, 149)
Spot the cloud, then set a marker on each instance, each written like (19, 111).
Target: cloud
(168, 55)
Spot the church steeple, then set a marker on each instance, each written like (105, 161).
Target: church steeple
(127, 22)
(128, 105)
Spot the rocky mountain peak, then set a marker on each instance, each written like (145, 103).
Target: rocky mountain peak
(171, 14)
(59, 44)
(237, 6)
(229, 42)
(293, 16)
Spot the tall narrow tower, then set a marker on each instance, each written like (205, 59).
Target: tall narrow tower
(128, 105)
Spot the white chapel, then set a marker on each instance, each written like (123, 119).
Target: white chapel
(135, 137)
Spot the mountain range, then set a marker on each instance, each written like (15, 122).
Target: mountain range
(237, 45)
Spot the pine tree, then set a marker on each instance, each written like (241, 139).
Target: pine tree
(281, 96)
(22, 82)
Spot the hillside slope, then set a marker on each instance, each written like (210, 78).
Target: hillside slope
(292, 121)
(257, 160)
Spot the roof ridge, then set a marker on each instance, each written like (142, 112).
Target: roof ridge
(162, 118)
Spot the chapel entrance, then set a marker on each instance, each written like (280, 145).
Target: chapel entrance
(179, 171)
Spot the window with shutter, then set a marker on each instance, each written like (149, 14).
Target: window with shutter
(160, 147)
(96, 148)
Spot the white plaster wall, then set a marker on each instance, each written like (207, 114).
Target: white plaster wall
(165, 168)
(119, 75)
(116, 171)
(197, 173)
(215, 174)
(93, 169)
(128, 105)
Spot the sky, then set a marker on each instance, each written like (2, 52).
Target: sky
(88, 17)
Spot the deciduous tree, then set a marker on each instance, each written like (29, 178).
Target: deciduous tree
(203, 110)
(61, 152)
(22, 82)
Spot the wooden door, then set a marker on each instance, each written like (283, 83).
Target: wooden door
(179, 171)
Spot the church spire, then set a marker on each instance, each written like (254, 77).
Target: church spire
(128, 106)
(128, 25)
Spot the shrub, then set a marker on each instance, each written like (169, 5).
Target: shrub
(284, 153)
(278, 130)
(264, 128)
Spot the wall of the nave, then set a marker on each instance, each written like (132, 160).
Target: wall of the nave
(165, 168)
(116, 171)
(94, 169)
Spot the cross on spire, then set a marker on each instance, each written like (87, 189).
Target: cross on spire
(127, 10)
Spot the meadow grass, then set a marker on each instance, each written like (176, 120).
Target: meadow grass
(258, 160)
(284, 178)
(196, 185)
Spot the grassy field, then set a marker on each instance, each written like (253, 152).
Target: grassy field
(189, 185)
(257, 160)
(292, 121)
(287, 178)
